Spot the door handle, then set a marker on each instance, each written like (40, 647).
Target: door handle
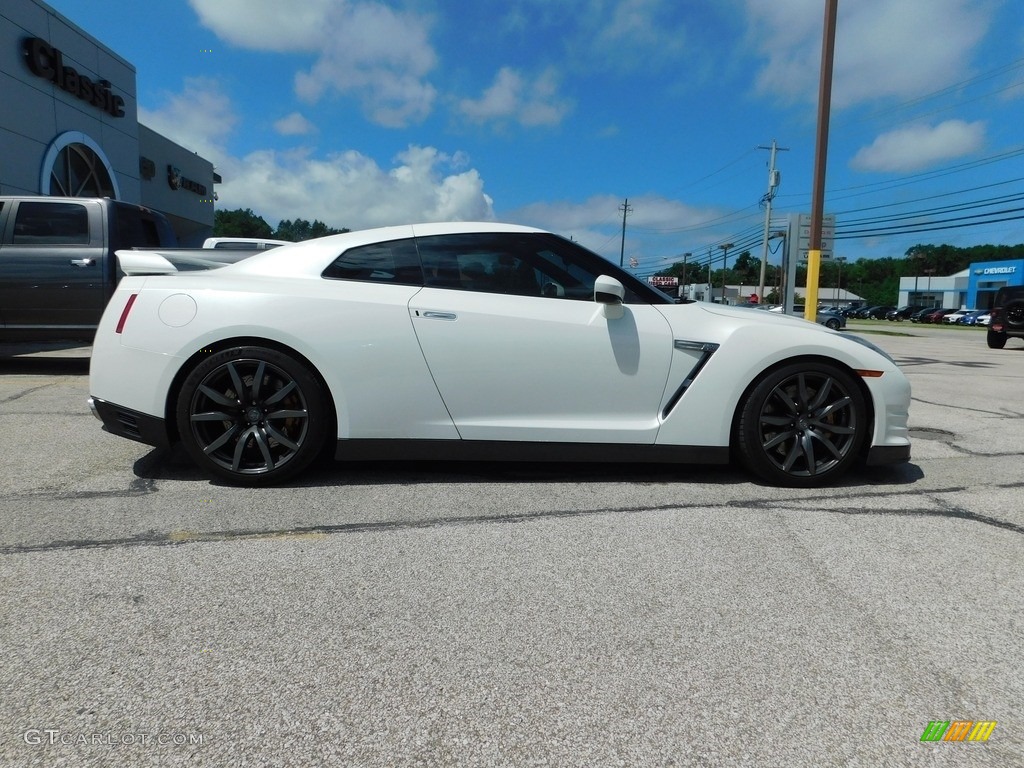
(83, 262)
(431, 315)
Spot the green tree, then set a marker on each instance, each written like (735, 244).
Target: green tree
(240, 223)
(300, 229)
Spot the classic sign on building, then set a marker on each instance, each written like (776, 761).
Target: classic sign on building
(69, 124)
(47, 62)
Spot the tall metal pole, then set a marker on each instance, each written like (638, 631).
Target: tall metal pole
(625, 208)
(773, 182)
(820, 159)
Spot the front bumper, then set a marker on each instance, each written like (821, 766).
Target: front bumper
(124, 422)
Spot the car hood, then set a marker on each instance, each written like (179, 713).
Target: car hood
(758, 315)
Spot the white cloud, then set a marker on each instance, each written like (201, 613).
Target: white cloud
(266, 25)
(344, 189)
(362, 49)
(883, 48)
(349, 189)
(200, 118)
(921, 146)
(294, 124)
(514, 98)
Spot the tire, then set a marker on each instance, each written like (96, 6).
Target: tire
(995, 340)
(833, 324)
(252, 415)
(1015, 315)
(803, 425)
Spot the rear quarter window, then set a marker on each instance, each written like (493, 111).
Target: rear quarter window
(396, 262)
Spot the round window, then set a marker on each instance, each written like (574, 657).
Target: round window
(75, 166)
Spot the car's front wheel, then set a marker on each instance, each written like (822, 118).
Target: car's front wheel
(833, 323)
(252, 415)
(803, 425)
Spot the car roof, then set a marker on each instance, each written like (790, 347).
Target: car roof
(310, 256)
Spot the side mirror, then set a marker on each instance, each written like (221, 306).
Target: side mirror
(609, 292)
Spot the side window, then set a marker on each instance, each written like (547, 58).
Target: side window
(395, 262)
(488, 263)
(46, 223)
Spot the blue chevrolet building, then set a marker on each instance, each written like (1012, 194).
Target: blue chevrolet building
(988, 277)
(973, 288)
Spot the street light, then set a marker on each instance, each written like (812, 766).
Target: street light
(725, 255)
(684, 283)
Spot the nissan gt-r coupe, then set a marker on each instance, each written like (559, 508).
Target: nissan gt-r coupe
(477, 342)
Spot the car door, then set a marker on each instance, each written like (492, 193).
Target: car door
(51, 264)
(520, 350)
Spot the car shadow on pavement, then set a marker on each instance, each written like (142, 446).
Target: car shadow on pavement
(44, 366)
(174, 464)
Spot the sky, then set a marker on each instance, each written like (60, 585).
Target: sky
(554, 113)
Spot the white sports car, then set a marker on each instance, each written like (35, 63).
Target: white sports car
(478, 341)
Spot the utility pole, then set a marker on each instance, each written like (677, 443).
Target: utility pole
(773, 183)
(626, 208)
(820, 158)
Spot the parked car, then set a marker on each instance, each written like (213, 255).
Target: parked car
(876, 313)
(827, 317)
(469, 341)
(936, 315)
(1007, 316)
(902, 313)
(916, 316)
(971, 318)
(955, 317)
(985, 318)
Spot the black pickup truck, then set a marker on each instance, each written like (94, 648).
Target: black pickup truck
(62, 257)
(57, 262)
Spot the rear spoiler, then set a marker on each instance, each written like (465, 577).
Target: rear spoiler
(141, 262)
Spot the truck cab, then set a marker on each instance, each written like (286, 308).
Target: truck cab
(57, 263)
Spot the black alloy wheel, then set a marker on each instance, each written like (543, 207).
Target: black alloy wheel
(803, 425)
(251, 415)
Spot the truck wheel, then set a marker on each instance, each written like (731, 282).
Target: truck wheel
(252, 415)
(995, 340)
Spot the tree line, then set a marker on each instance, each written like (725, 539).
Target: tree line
(875, 280)
(242, 222)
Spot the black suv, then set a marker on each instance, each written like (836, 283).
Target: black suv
(1007, 316)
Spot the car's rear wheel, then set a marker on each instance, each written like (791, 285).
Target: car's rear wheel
(833, 323)
(252, 415)
(803, 425)
(995, 339)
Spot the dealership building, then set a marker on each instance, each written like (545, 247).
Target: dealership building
(69, 125)
(972, 288)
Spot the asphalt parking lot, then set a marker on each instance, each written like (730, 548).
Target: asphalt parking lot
(477, 615)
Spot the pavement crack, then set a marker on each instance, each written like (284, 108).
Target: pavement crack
(24, 393)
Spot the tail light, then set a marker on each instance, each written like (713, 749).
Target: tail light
(124, 313)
